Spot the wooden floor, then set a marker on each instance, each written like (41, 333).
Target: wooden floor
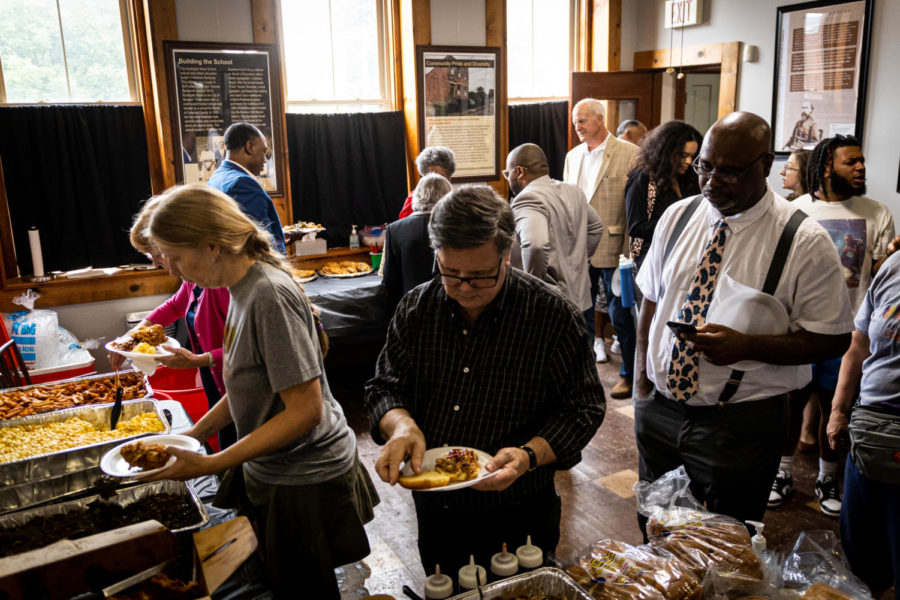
(597, 501)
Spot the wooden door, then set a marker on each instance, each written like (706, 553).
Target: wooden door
(640, 92)
(701, 102)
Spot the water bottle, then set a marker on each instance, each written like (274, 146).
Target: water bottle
(626, 277)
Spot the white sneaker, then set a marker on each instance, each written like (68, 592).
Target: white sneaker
(600, 351)
(614, 347)
(829, 494)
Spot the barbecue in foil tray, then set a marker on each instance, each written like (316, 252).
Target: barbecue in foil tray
(175, 504)
(547, 582)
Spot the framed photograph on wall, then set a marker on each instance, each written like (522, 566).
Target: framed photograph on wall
(457, 105)
(212, 86)
(821, 65)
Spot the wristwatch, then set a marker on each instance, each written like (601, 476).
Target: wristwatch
(532, 457)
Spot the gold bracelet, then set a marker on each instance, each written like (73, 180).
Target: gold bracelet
(212, 363)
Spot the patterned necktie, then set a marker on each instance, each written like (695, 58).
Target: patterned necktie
(683, 370)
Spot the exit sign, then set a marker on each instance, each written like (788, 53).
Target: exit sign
(680, 13)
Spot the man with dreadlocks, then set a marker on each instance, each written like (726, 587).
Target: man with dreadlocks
(861, 229)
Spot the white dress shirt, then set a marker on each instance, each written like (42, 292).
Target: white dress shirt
(591, 162)
(811, 288)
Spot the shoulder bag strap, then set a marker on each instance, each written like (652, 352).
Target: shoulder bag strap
(772, 278)
(679, 226)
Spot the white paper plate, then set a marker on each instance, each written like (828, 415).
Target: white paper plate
(160, 353)
(312, 277)
(303, 230)
(434, 453)
(753, 313)
(113, 464)
(344, 275)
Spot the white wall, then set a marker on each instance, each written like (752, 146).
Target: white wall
(215, 21)
(458, 23)
(106, 320)
(753, 22)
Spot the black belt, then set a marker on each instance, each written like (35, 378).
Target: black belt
(689, 410)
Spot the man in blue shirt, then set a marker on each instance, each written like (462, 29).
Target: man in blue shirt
(245, 157)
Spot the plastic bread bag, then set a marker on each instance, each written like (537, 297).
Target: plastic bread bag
(610, 570)
(734, 586)
(818, 567)
(72, 351)
(679, 525)
(34, 332)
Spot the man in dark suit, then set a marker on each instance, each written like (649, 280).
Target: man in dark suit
(408, 257)
(246, 151)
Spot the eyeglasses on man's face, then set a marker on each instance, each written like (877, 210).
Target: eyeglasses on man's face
(728, 174)
(507, 172)
(480, 282)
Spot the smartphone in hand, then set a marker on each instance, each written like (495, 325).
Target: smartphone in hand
(680, 328)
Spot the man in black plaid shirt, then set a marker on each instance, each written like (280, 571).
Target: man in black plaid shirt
(488, 357)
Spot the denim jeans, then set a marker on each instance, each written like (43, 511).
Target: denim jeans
(870, 528)
(621, 317)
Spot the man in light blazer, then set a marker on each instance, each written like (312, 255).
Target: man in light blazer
(599, 166)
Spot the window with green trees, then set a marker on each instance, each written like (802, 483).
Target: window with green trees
(60, 51)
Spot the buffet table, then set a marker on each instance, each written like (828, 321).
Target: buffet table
(354, 311)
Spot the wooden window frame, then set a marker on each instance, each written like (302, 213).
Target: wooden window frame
(578, 51)
(386, 12)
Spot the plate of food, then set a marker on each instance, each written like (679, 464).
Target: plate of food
(144, 342)
(345, 268)
(304, 227)
(305, 275)
(447, 468)
(145, 456)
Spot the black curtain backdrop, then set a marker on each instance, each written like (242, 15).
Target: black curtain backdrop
(545, 124)
(78, 173)
(347, 169)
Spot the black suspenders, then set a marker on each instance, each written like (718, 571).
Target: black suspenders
(776, 267)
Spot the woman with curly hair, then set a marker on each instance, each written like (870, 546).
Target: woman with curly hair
(662, 174)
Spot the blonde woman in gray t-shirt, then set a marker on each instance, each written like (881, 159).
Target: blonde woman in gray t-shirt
(294, 467)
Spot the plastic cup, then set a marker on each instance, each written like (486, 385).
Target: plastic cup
(376, 260)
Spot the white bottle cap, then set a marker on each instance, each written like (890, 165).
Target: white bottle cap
(529, 555)
(504, 564)
(438, 586)
(467, 575)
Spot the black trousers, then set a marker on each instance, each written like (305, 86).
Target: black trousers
(448, 535)
(731, 453)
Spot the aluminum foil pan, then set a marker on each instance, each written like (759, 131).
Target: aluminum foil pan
(55, 464)
(548, 581)
(111, 376)
(122, 498)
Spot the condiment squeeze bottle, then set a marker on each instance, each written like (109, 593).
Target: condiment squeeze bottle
(438, 586)
(529, 555)
(504, 564)
(467, 575)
